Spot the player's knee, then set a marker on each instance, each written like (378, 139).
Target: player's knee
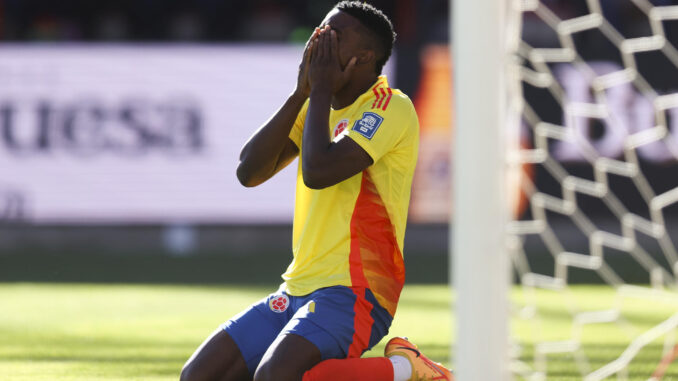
(263, 373)
(189, 373)
(186, 374)
(270, 372)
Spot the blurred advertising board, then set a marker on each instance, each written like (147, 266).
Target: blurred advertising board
(127, 134)
(140, 134)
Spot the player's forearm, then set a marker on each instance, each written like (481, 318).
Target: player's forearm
(316, 139)
(261, 154)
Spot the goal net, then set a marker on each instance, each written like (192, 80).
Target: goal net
(589, 109)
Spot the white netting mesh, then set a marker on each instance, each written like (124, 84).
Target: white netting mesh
(598, 157)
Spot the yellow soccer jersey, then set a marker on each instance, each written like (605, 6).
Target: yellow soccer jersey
(351, 234)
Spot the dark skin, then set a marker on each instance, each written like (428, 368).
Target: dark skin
(337, 67)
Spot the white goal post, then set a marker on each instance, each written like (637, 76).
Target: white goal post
(481, 49)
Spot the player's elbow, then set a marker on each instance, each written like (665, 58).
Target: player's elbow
(316, 172)
(315, 179)
(246, 177)
(313, 183)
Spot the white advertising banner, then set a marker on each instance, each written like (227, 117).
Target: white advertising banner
(140, 134)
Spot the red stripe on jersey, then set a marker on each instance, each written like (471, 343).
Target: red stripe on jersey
(374, 90)
(390, 94)
(362, 324)
(383, 96)
(357, 226)
(375, 260)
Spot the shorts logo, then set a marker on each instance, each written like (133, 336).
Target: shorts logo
(279, 303)
(340, 127)
(368, 125)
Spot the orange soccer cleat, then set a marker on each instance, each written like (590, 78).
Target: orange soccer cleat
(423, 369)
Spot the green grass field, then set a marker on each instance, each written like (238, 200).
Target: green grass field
(146, 332)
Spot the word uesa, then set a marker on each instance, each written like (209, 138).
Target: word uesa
(90, 127)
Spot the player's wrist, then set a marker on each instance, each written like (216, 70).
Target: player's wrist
(321, 90)
(299, 95)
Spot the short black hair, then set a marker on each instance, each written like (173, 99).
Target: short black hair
(377, 23)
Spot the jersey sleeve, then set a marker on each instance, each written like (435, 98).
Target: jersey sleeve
(378, 131)
(298, 127)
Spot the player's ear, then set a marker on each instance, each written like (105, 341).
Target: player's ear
(365, 56)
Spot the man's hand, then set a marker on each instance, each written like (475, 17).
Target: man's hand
(325, 67)
(303, 84)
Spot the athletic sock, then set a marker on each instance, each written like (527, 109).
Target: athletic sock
(354, 369)
(402, 368)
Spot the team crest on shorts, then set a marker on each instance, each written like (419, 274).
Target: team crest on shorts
(279, 303)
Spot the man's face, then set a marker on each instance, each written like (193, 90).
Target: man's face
(348, 30)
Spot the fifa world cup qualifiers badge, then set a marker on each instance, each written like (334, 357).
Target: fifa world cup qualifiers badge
(368, 125)
(279, 303)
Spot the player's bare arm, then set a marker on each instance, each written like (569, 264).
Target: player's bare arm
(326, 163)
(269, 150)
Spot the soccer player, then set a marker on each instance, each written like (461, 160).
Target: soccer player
(357, 139)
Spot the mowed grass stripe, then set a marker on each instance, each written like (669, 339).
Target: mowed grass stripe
(146, 332)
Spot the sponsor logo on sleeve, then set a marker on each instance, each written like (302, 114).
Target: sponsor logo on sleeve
(367, 126)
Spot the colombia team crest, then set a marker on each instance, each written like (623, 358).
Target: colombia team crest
(279, 303)
(339, 128)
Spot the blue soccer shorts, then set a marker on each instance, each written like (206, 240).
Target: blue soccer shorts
(341, 321)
